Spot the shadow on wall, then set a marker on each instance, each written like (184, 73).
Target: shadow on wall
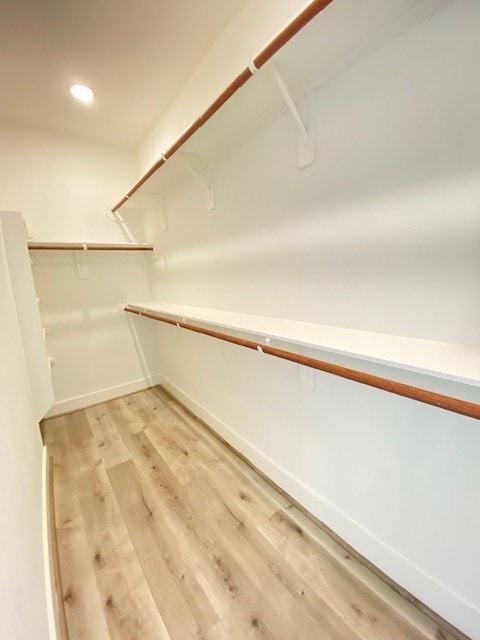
(144, 336)
(86, 330)
(386, 219)
(130, 223)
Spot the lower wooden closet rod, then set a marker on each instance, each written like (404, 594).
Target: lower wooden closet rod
(448, 403)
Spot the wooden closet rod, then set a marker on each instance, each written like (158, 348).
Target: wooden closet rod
(448, 403)
(88, 247)
(262, 58)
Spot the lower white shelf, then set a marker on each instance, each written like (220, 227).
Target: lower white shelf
(459, 363)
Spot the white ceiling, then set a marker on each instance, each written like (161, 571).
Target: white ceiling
(134, 54)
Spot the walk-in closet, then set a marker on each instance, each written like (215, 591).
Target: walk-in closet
(240, 337)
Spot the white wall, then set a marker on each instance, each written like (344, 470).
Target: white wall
(15, 241)
(95, 350)
(382, 233)
(255, 24)
(22, 578)
(62, 186)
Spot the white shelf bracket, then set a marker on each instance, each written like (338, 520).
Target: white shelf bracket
(82, 268)
(157, 198)
(114, 217)
(163, 213)
(306, 143)
(187, 159)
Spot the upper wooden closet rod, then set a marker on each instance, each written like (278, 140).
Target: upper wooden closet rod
(455, 405)
(77, 246)
(264, 56)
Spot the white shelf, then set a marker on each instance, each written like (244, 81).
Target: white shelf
(335, 39)
(454, 362)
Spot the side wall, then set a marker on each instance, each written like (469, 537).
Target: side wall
(381, 233)
(63, 187)
(22, 578)
(14, 233)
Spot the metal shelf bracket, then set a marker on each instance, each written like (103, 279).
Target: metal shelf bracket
(82, 268)
(163, 213)
(306, 143)
(188, 159)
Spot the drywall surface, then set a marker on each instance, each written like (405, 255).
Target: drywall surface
(18, 263)
(63, 186)
(256, 24)
(22, 578)
(92, 341)
(382, 233)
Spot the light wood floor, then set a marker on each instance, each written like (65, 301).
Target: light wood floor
(164, 533)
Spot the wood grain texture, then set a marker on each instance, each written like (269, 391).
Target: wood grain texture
(55, 575)
(165, 534)
(362, 564)
(448, 403)
(140, 182)
(77, 246)
(82, 599)
(313, 9)
(232, 88)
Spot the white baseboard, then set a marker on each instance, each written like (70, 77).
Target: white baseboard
(89, 399)
(462, 614)
(49, 587)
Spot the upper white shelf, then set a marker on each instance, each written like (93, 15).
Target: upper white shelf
(454, 362)
(341, 34)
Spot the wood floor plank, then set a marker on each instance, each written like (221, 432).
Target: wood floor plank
(222, 557)
(111, 447)
(164, 533)
(198, 540)
(79, 427)
(172, 586)
(120, 413)
(128, 605)
(141, 409)
(228, 575)
(275, 586)
(61, 626)
(249, 496)
(175, 453)
(83, 608)
(408, 618)
(359, 607)
(146, 416)
(358, 594)
(67, 508)
(138, 400)
(246, 507)
(212, 451)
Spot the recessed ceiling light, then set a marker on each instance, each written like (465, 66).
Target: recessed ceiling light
(82, 93)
